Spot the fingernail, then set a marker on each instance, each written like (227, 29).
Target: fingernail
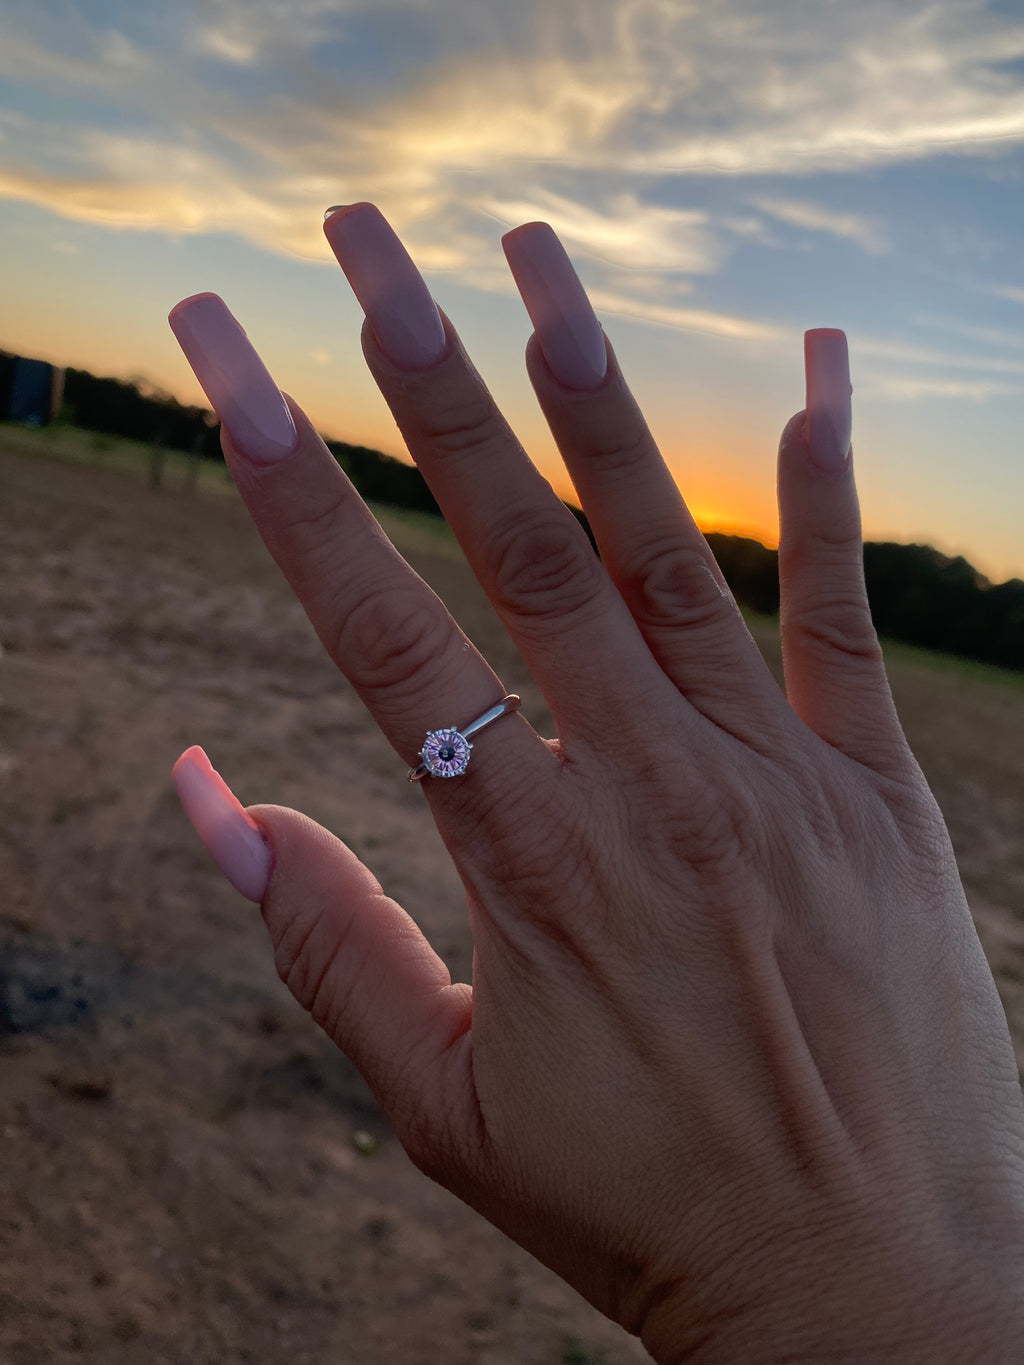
(231, 836)
(234, 378)
(390, 290)
(568, 331)
(829, 414)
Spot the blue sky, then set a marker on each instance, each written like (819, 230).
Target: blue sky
(724, 174)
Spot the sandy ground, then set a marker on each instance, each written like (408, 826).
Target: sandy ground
(189, 1171)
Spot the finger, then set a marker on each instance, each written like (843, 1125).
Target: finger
(350, 956)
(835, 674)
(527, 550)
(386, 630)
(657, 557)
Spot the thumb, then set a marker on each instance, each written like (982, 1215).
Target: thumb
(351, 956)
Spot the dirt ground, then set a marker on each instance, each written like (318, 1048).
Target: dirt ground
(189, 1171)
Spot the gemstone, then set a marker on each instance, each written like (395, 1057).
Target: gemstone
(445, 753)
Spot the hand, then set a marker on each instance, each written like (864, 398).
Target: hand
(732, 1062)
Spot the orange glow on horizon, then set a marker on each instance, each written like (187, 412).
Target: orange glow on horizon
(725, 506)
(722, 509)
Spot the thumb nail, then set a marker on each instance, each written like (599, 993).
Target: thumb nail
(231, 836)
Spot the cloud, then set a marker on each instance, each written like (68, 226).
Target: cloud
(250, 116)
(931, 372)
(1012, 292)
(246, 32)
(623, 232)
(864, 85)
(903, 353)
(816, 218)
(685, 319)
(912, 389)
(988, 336)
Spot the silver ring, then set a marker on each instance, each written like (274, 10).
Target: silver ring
(445, 753)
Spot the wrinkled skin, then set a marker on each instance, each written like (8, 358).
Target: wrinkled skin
(732, 1062)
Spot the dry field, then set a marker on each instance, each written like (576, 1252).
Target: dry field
(189, 1171)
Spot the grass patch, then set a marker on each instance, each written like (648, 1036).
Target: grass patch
(411, 530)
(408, 529)
(897, 652)
(73, 445)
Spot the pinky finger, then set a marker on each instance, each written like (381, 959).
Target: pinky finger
(835, 674)
(352, 957)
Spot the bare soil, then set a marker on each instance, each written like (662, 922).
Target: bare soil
(189, 1171)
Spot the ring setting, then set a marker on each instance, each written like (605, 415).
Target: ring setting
(445, 752)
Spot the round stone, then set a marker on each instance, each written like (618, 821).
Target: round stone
(445, 753)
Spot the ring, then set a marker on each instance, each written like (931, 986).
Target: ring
(445, 753)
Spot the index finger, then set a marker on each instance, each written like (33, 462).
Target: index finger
(384, 627)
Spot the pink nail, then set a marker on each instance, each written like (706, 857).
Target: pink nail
(829, 414)
(231, 836)
(390, 290)
(569, 334)
(234, 378)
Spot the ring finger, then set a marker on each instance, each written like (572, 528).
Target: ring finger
(527, 550)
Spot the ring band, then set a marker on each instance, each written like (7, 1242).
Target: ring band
(445, 753)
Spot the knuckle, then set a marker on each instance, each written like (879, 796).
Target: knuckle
(467, 426)
(315, 527)
(621, 452)
(835, 626)
(716, 835)
(544, 567)
(677, 586)
(834, 547)
(391, 639)
(716, 841)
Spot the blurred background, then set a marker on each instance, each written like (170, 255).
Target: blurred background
(725, 176)
(188, 1170)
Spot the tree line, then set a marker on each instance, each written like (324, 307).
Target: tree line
(916, 593)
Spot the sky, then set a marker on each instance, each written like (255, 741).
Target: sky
(724, 174)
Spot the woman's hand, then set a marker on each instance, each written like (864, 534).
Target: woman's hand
(732, 1062)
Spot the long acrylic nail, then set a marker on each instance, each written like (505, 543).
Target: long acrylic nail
(390, 290)
(568, 331)
(231, 836)
(829, 412)
(234, 378)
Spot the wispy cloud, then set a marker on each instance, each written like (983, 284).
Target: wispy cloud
(903, 372)
(880, 348)
(914, 389)
(685, 319)
(988, 336)
(623, 231)
(249, 116)
(1014, 293)
(817, 218)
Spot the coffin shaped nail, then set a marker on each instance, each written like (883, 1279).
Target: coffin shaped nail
(391, 291)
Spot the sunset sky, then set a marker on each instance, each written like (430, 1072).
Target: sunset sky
(725, 174)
